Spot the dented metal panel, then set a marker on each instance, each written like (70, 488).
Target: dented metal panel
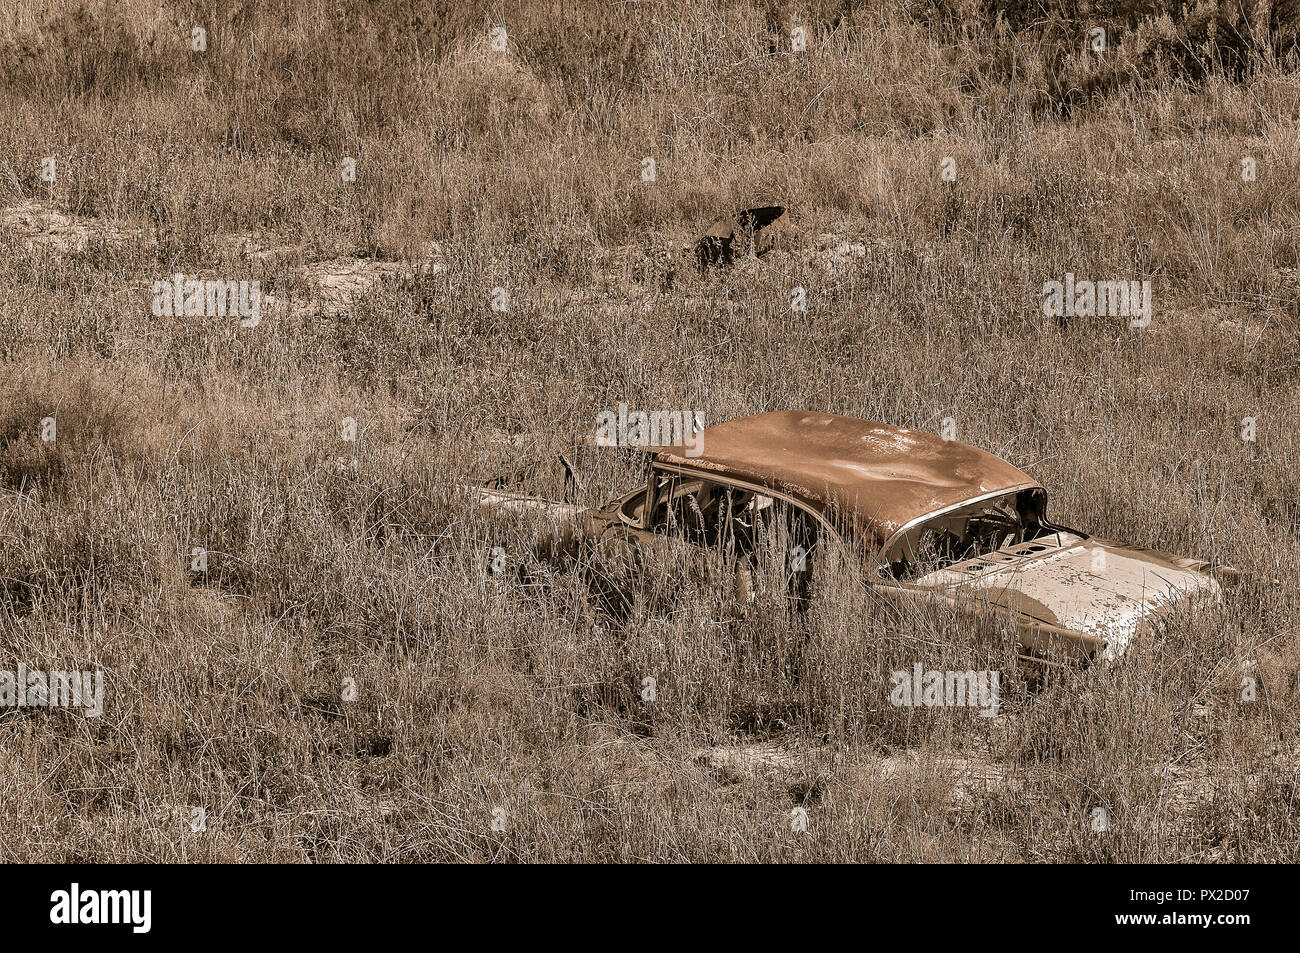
(1085, 585)
(868, 477)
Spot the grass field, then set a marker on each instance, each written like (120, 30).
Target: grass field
(345, 680)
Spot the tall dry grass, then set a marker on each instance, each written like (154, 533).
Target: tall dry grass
(334, 564)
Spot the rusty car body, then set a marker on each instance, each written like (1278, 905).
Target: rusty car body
(922, 517)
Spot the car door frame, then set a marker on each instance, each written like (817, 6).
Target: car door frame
(761, 489)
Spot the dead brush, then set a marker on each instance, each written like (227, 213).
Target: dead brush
(349, 681)
(53, 420)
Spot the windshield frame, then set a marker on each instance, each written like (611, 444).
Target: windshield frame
(1012, 495)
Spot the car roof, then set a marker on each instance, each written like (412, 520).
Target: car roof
(869, 478)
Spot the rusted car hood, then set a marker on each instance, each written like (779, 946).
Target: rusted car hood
(1096, 587)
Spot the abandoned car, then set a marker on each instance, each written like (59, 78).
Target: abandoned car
(925, 519)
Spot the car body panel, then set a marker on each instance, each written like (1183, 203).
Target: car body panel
(1081, 584)
(513, 502)
(869, 478)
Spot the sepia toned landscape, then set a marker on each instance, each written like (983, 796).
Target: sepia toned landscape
(473, 229)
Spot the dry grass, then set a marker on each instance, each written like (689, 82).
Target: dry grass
(331, 561)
